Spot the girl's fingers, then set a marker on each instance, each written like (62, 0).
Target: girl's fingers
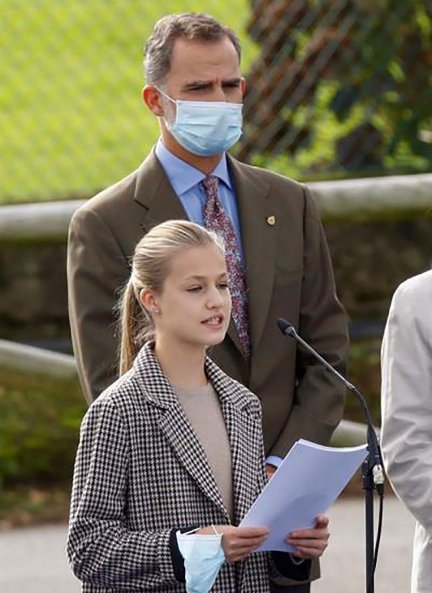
(242, 548)
(239, 543)
(246, 532)
(322, 520)
(250, 541)
(308, 548)
(318, 531)
(312, 547)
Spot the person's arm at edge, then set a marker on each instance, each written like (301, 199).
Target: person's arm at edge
(406, 399)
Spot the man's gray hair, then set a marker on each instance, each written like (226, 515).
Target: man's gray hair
(190, 26)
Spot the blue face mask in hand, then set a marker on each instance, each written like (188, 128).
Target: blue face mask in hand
(203, 557)
(206, 128)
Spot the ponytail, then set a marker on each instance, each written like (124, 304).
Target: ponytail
(136, 327)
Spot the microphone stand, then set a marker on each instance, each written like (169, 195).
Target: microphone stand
(372, 467)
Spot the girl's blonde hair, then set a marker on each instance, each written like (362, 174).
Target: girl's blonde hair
(150, 267)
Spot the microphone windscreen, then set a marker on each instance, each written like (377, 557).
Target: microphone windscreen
(284, 326)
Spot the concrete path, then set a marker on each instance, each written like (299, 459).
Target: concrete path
(344, 564)
(32, 560)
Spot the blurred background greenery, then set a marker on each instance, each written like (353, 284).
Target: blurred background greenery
(72, 81)
(336, 89)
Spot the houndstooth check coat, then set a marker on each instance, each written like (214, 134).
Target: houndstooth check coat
(140, 471)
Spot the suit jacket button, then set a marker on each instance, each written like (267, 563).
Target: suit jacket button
(271, 220)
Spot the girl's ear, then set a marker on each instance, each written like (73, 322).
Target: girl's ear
(147, 300)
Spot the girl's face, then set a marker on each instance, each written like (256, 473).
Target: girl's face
(194, 306)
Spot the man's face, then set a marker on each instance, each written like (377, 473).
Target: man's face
(205, 72)
(198, 72)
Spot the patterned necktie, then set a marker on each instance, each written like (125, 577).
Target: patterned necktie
(217, 220)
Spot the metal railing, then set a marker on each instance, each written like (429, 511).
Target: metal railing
(375, 198)
(35, 364)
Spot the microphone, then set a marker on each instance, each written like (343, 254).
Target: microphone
(374, 449)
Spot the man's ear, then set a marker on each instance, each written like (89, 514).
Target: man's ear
(152, 99)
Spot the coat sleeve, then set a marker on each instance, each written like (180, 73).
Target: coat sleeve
(319, 397)
(102, 549)
(96, 271)
(406, 400)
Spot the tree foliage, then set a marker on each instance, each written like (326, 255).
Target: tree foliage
(341, 83)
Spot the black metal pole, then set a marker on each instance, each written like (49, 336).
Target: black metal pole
(369, 487)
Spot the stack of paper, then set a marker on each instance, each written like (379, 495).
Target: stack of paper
(307, 482)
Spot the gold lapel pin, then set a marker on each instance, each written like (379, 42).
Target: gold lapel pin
(271, 220)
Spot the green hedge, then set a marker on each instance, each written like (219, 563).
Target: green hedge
(364, 373)
(39, 430)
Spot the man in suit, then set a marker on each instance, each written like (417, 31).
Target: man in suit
(195, 89)
(406, 434)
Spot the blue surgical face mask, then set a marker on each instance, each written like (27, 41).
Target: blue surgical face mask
(206, 128)
(203, 557)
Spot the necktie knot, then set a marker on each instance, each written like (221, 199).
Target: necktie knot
(212, 205)
(210, 183)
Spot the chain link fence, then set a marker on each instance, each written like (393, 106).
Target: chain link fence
(340, 87)
(336, 88)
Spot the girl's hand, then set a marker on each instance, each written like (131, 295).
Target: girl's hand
(238, 542)
(310, 543)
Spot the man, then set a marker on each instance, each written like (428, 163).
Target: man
(406, 433)
(278, 256)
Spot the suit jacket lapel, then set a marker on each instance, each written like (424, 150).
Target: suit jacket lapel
(155, 193)
(175, 426)
(258, 221)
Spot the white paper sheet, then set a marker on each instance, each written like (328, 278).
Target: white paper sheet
(307, 482)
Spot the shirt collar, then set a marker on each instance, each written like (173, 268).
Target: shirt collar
(183, 176)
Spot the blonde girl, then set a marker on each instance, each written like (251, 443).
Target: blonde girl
(175, 444)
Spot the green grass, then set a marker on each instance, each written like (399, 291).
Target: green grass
(71, 116)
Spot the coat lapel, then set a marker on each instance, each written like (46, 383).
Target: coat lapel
(190, 453)
(242, 413)
(259, 228)
(175, 426)
(243, 430)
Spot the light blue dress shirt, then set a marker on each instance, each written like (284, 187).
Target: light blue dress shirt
(186, 182)
(274, 460)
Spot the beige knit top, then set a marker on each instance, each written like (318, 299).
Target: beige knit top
(202, 408)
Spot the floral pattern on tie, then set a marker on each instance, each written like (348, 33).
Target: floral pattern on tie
(217, 220)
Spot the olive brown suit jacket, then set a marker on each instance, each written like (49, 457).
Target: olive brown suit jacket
(288, 271)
